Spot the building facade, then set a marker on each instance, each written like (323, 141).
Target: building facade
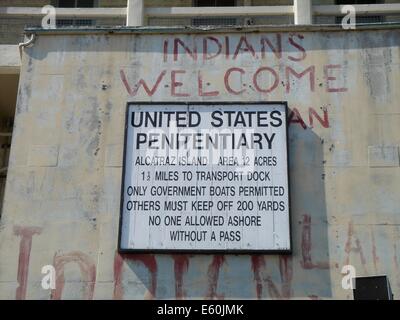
(63, 133)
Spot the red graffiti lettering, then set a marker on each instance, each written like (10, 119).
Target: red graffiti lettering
(298, 47)
(181, 265)
(25, 246)
(87, 268)
(213, 275)
(206, 54)
(202, 93)
(257, 263)
(295, 117)
(329, 78)
(277, 50)
(227, 52)
(191, 52)
(375, 257)
(349, 248)
(324, 122)
(247, 48)
(226, 80)
(133, 91)
(306, 247)
(165, 50)
(286, 272)
(310, 70)
(175, 84)
(268, 89)
(118, 288)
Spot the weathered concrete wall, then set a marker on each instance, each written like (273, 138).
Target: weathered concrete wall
(63, 189)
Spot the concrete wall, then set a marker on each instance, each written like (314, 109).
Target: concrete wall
(63, 188)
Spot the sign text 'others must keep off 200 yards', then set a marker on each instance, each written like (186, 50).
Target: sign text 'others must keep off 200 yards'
(209, 177)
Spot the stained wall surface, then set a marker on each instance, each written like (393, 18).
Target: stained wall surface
(63, 187)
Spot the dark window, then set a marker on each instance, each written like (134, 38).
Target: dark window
(217, 20)
(75, 4)
(361, 19)
(214, 3)
(85, 3)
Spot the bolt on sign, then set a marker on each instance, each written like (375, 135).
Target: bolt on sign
(205, 177)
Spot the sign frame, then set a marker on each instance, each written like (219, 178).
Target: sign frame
(204, 251)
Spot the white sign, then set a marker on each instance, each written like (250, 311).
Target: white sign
(205, 176)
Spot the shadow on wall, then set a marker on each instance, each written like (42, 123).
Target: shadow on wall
(304, 274)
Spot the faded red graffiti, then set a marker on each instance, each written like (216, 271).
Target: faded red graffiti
(375, 257)
(295, 117)
(181, 266)
(264, 80)
(286, 272)
(201, 87)
(203, 82)
(306, 247)
(25, 246)
(118, 264)
(329, 78)
(229, 47)
(86, 266)
(257, 263)
(324, 120)
(349, 248)
(213, 276)
(272, 87)
(298, 75)
(141, 83)
(263, 281)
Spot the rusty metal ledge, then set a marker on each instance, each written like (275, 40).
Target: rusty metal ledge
(206, 29)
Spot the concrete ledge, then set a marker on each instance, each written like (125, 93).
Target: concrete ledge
(10, 62)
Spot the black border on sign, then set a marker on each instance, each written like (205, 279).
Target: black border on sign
(203, 251)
